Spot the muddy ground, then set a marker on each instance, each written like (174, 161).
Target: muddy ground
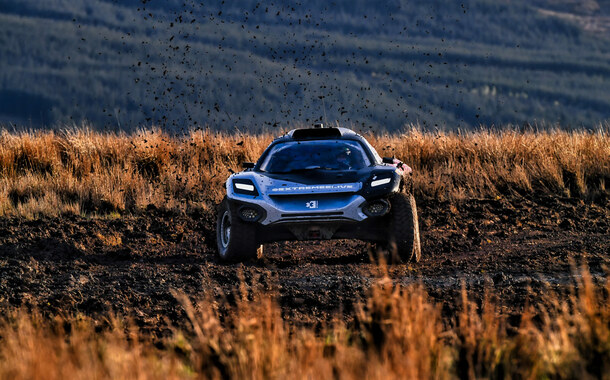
(517, 247)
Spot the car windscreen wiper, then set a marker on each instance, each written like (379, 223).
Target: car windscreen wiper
(306, 169)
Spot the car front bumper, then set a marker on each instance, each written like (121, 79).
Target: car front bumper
(303, 208)
(336, 218)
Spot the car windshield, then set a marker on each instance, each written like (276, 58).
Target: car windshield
(294, 156)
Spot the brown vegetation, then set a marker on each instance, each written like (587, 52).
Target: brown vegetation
(75, 265)
(398, 333)
(79, 171)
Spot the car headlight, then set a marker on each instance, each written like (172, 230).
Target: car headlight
(379, 182)
(244, 186)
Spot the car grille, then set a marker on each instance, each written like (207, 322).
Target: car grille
(311, 214)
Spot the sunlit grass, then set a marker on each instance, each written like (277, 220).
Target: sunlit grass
(79, 171)
(398, 332)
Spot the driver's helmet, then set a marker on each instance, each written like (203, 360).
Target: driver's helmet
(344, 155)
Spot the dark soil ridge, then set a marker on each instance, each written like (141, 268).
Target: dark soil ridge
(519, 248)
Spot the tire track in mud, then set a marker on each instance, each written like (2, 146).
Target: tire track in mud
(519, 248)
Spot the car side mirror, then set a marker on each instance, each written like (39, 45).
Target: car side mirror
(388, 160)
(247, 165)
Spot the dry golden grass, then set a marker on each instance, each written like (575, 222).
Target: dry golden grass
(79, 171)
(398, 333)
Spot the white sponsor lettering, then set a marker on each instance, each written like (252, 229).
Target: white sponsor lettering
(348, 186)
(311, 204)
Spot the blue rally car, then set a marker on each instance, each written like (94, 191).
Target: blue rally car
(319, 183)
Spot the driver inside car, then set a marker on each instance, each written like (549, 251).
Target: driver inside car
(344, 158)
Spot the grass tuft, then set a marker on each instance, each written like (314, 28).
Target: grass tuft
(398, 333)
(86, 172)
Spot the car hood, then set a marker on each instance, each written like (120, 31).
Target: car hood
(320, 176)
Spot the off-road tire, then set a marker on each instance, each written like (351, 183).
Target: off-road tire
(240, 243)
(403, 242)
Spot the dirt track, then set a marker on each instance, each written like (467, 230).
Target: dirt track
(130, 265)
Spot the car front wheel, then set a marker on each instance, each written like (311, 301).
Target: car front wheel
(404, 243)
(236, 239)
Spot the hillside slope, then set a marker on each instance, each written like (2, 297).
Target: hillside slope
(443, 64)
